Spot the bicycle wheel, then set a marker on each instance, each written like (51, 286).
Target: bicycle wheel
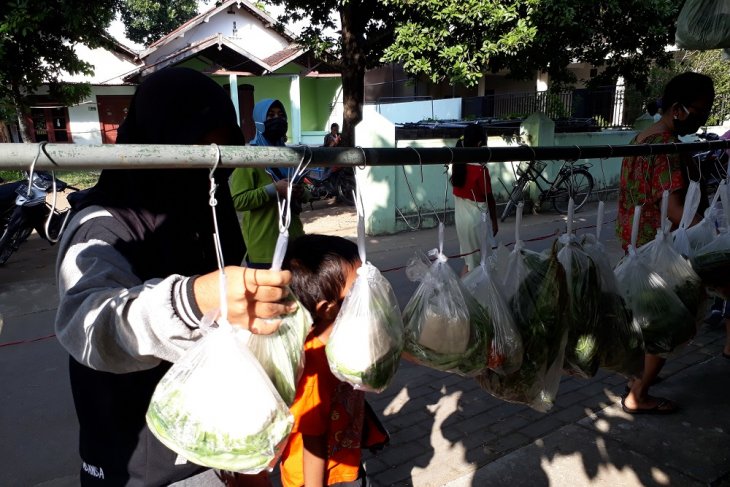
(515, 197)
(345, 188)
(577, 184)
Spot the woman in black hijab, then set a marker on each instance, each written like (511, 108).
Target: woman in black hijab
(137, 271)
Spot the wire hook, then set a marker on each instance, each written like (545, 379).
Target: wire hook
(211, 175)
(420, 162)
(364, 158)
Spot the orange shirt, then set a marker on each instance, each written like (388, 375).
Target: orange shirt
(324, 405)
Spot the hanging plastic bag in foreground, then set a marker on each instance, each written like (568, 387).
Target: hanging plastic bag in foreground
(216, 406)
(704, 25)
(445, 328)
(712, 262)
(505, 353)
(281, 353)
(664, 321)
(582, 350)
(538, 307)
(366, 342)
(621, 344)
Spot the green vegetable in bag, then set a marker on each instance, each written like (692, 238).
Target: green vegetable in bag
(538, 308)
(216, 406)
(366, 342)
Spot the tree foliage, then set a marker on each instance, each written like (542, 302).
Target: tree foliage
(145, 21)
(459, 40)
(37, 46)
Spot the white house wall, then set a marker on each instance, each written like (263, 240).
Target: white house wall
(84, 117)
(109, 67)
(251, 36)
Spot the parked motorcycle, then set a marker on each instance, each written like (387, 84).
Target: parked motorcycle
(324, 183)
(24, 209)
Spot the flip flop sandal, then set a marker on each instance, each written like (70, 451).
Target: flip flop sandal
(663, 406)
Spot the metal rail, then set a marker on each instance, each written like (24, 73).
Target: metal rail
(134, 156)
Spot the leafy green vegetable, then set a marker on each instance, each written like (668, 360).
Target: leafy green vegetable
(539, 309)
(366, 342)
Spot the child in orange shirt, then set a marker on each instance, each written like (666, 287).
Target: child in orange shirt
(329, 415)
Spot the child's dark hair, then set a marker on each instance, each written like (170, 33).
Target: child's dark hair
(687, 88)
(473, 135)
(316, 263)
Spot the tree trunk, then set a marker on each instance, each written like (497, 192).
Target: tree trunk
(19, 105)
(353, 72)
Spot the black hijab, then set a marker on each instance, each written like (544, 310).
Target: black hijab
(167, 210)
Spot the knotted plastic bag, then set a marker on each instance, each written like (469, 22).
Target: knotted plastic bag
(515, 267)
(681, 235)
(621, 342)
(538, 308)
(281, 354)
(366, 342)
(704, 25)
(664, 321)
(674, 269)
(216, 406)
(712, 262)
(581, 352)
(445, 328)
(505, 353)
(706, 230)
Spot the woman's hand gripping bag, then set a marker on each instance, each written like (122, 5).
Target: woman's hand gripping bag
(539, 310)
(281, 354)
(664, 321)
(366, 342)
(505, 353)
(216, 406)
(445, 328)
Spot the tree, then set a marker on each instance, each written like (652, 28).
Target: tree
(351, 35)
(459, 40)
(147, 21)
(37, 46)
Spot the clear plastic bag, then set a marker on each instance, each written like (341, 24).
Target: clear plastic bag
(664, 321)
(505, 353)
(216, 406)
(622, 343)
(281, 354)
(366, 342)
(712, 262)
(706, 230)
(538, 308)
(445, 328)
(704, 25)
(681, 234)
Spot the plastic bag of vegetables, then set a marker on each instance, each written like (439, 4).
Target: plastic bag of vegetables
(281, 353)
(664, 321)
(621, 342)
(674, 269)
(505, 353)
(445, 328)
(216, 406)
(366, 342)
(712, 262)
(514, 269)
(582, 350)
(538, 308)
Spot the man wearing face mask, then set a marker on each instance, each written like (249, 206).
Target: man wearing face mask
(686, 103)
(255, 191)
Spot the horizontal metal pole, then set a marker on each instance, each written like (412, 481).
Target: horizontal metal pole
(135, 156)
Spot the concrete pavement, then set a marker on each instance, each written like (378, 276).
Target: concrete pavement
(445, 430)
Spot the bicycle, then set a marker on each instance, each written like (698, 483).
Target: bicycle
(572, 180)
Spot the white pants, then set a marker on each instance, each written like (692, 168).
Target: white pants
(468, 219)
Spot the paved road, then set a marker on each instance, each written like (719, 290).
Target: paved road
(445, 429)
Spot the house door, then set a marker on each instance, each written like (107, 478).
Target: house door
(112, 112)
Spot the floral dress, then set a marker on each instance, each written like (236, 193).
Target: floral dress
(643, 180)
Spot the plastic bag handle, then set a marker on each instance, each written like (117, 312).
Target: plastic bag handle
(571, 214)
(691, 204)
(518, 220)
(635, 225)
(663, 226)
(360, 207)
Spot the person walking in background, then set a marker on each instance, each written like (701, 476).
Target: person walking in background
(686, 103)
(333, 138)
(329, 415)
(472, 189)
(256, 191)
(137, 270)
